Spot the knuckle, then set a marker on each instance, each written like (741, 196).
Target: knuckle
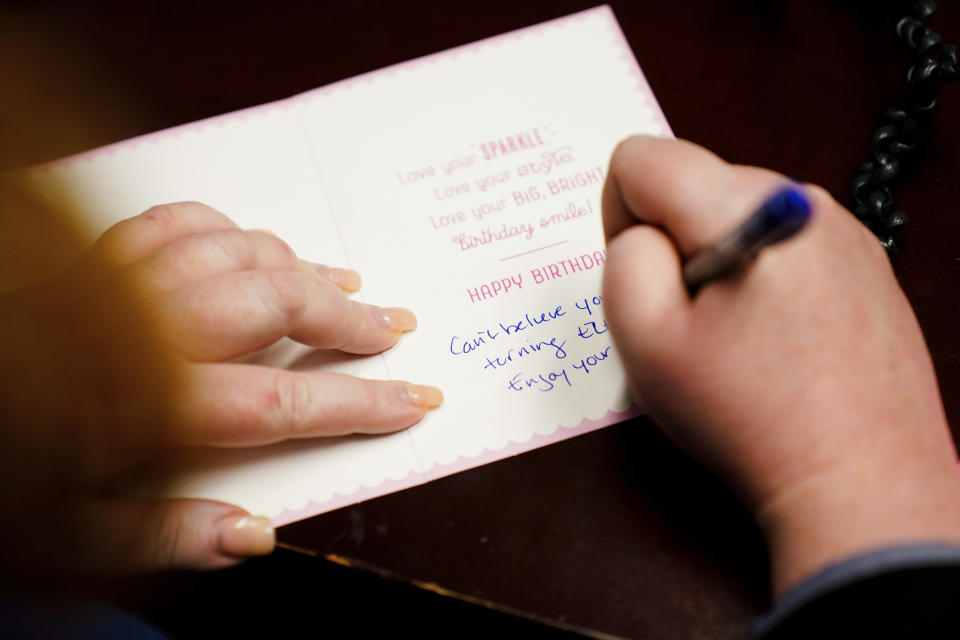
(163, 216)
(372, 400)
(285, 253)
(283, 291)
(383, 403)
(236, 247)
(168, 542)
(293, 401)
(175, 215)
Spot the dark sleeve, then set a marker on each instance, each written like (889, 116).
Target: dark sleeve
(43, 617)
(898, 592)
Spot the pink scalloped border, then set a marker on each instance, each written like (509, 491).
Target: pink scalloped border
(462, 463)
(626, 54)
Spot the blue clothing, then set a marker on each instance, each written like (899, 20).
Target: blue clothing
(33, 618)
(906, 591)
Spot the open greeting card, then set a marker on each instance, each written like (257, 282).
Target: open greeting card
(464, 185)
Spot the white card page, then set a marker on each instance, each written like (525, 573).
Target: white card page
(465, 186)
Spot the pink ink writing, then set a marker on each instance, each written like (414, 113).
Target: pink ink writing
(447, 219)
(575, 181)
(571, 212)
(443, 193)
(416, 174)
(548, 160)
(467, 241)
(495, 288)
(530, 194)
(450, 166)
(568, 267)
(512, 143)
(485, 209)
(491, 180)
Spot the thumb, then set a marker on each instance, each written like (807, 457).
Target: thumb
(151, 535)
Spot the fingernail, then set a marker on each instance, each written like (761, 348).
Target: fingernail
(398, 319)
(424, 395)
(244, 536)
(346, 279)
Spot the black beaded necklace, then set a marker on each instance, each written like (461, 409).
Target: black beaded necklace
(896, 140)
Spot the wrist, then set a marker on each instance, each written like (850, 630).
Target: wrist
(863, 503)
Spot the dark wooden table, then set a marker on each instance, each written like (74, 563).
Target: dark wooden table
(613, 532)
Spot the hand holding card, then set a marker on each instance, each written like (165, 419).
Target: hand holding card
(207, 291)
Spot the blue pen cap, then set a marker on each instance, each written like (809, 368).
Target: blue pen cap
(783, 214)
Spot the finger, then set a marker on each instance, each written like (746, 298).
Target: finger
(241, 312)
(139, 236)
(152, 535)
(644, 297)
(249, 405)
(200, 256)
(684, 189)
(203, 255)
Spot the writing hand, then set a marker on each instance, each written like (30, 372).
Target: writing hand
(804, 379)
